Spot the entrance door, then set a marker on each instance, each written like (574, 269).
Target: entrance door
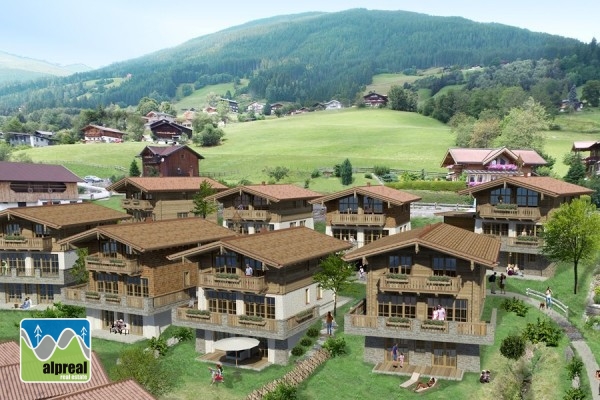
(136, 324)
(108, 318)
(444, 354)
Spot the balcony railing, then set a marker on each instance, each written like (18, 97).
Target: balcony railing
(253, 215)
(34, 244)
(421, 284)
(253, 284)
(523, 213)
(478, 332)
(358, 219)
(118, 265)
(135, 204)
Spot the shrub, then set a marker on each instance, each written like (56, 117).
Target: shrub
(544, 331)
(513, 347)
(306, 341)
(575, 367)
(312, 332)
(438, 186)
(597, 299)
(145, 369)
(183, 334)
(368, 176)
(389, 178)
(515, 305)
(283, 391)
(574, 394)
(158, 344)
(597, 290)
(315, 173)
(297, 350)
(380, 170)
(335, 346)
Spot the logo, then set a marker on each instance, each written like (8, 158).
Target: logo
(56, 350)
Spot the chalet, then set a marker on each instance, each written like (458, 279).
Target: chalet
(592, 161)
(514, 209)
(333, 105)
(275, 107)
(176, 160)
(169, 132)
(276, 304)
(375, 100)
(233, 105)
(158, 198)
(485, 165)
(130, 277)
(187, 118)
(411, 274)
(252, 208)
(36, 139)
(154, 116)
(35, 264)
(97, 134)
(256, 107)
(363, 214)
(26, 184)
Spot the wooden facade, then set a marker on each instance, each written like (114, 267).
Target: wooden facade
(96, 133)
(176, 160)
(592, 161)
(169, 131)
(375, 100)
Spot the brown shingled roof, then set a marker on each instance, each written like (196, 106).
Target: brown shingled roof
(274, 193)
(165, 184)
(484, 156)
(64, 215)
(447, 239)
(168, 150)
(148, 236)
(277, 248)
(28, 172)
(12, 388)
(543, 184)
(380, 192)
(128, 389)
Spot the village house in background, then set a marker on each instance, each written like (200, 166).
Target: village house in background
(158, 198)
(592, 161)
(275, 301)
(102, 134)
(32, 262)
(256, 107)
(27, 184)
(36, 139)
(130, 277)
(364, 214)
(514, 209)
(254, 208)
(375, 100)
(485, 165)
(164, 131)
(176, 160)
(233, 105)
(411, 274)
(154, 116)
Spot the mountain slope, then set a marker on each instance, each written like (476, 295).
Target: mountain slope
(16, 68)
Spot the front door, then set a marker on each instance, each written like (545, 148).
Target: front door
(136, 324)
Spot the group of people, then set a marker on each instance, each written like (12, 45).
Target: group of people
(512, 269)
(397, 356)
(485, 376)
(501, 282)
(216, 374)
(439, 313)
(118, 326)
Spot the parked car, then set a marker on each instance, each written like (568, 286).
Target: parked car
(92, 179)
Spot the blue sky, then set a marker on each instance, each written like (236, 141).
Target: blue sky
(101, 32)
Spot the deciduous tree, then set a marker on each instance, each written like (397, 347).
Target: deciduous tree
(591, 92)
(523, 126)
(334, 275)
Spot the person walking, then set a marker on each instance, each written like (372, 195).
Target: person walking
(492, 281)
(502, 283)
(329, 323)
(395, 355)
(548, 298)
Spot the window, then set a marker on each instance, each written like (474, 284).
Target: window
(46, 293)
(13, 229)
(293, 224)
(260, 306)
(500, 195)
(319, 292)
(260, 203)
(495, 229)
(348, 205)
(242, 201)
(393, 305)
(15, 260)
(221, 302)
(107, 283)
(226, 263)
(372, 235)
(456, 309)
(344, 234)
(41, 230)
(303, 222)
(373, 206)
(445, 266)
(137, 286)
(14, 292)
(109, 248)
(47, 263)
(527, 198)
(182, 215)
(400, 264)
(531, 258)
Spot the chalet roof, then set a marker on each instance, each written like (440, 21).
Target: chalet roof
(61, 216)
(543, 184)
(166, 151)
(103, 128)
(584, 146)
(273, 193)
(14, 389)
(28, 172)
(446, 239)
(164, 184)
(150, 236)
(276, 248)
(384, 193)
(374, 95)
(175, 125)
(128, 389)
(466, 156)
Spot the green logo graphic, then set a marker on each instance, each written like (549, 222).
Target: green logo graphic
(56, 350)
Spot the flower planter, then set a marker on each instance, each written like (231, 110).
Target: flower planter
(405, 325)
(199, 316)
(249, 322)
(397, 281)
(303, 318)
(113, 299)
(92, 297)
(445, 283)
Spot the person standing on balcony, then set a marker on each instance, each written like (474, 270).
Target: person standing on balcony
(441, 313)
(4, 267)
(249, 270)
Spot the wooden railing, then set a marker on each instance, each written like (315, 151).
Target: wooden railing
(212, 318)
(490, 211)
(83, 295)
(118, 265)
(420, 284)
(254, 284)
(255, 215)
(169, 298)
(358, 219)
(236, 321)
(37, 244)
(135, 204)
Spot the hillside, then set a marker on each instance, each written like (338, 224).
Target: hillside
(15, 68)
(299, 58)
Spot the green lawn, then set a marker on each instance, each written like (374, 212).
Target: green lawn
(197, 99)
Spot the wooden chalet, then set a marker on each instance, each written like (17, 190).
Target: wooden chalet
(34, 264)
(169, 131)
(592, 161)
(158, 198)
(130, 277)
(364, 214)
(96, 133)
(410, 274)
(175, 160)
(276, 304)
(253, 208)
(375, 100)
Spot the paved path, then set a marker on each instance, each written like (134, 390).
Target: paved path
(574, 335)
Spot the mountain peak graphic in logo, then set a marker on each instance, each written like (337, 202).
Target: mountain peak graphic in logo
(56, 350)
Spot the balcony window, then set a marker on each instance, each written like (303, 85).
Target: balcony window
(495, 229)
(12, 229)
(444, 266)
(47, 263)
(499, 196)
(109, 248)
(526, 198)
(259, 306)
(221, 302)
(348, 205)
(373, 206)
(136, 286)
(260, 203)
(400, 264)
(15, 260)
(456, 309)
(392, 305)
(107, 283)
(226, 263)
(41, 230)
(242, 202)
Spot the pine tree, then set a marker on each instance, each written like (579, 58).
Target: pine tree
(576, 171)
(134, 170)
(346, 172)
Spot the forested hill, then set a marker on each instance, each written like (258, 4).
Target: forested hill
(303, 58)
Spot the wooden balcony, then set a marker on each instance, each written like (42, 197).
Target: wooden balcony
(521, 245)
(135, 204)
(518, 213)
(117, 265)
(251, 284)
(478, 332)
(358, 219)
(250, 215)
(26, 244)
(420, 284)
